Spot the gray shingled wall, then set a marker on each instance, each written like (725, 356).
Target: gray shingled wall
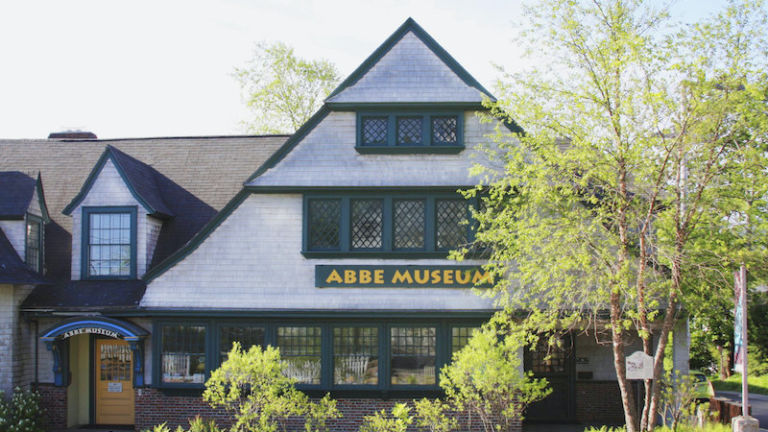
(327, 157)
(409, 72)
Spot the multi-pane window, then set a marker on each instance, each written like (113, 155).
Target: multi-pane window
(247, 336)
(374, 131)
(409, 131)
(34, 243)
(359, 355)
(417, 131)
(183, 354)
(115, 362)
(367, 223)
(546, 359)
(451, 233)
(356, 355)
(109, 243)
(387, 223)
(409, 224)
(301, 348)
(444, 130)
(460, 337)
(324, 220)
(413, 351)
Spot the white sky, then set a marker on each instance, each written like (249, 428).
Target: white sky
(164, 68)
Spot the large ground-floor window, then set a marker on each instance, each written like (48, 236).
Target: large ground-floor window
(359, 355)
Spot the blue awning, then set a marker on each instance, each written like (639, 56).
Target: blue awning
(109, 327)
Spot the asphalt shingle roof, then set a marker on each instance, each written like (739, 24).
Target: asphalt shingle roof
(195, 177)
(16, 192)
(12, 269)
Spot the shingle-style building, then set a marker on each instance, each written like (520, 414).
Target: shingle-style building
(331, 243)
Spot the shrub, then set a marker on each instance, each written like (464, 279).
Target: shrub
(486, 378)
(251, 385)
(22, 413)
(397, 421)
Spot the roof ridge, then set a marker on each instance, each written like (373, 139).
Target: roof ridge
(410, 25)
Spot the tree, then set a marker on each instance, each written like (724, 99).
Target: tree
(282, 90)
(626, 191)
(251, 385)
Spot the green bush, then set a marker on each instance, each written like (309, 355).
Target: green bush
(22, 413)
(251, 385)
(397, 421)
(486, 379)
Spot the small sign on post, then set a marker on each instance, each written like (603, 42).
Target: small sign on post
(639, 366)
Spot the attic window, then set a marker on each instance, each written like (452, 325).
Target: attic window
(410, 132)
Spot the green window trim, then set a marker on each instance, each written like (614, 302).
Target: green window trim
(404, 132)
(394, 242)
(85, 257)
(34, 243)
(212, 329)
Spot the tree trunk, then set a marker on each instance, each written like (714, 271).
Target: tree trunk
(619, 363)
(666, 329)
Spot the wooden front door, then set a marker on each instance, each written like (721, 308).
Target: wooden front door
(114, 382)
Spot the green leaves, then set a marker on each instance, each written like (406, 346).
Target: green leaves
(282, 90)
(252, 386)
(486, 377)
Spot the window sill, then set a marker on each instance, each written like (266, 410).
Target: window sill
(422, 149)
(374, 254)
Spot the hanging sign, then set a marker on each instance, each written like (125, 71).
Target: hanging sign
(401, 276)
(91, 330)
(739, 350)
(639, 366)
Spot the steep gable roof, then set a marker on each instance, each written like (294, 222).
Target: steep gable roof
(16, 192)
(410, 66)
(12, 268)
(139, 177)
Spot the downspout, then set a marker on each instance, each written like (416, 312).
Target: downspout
(37, 351)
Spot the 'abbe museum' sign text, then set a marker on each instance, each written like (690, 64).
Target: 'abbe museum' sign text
(401, 276)
(90, 330)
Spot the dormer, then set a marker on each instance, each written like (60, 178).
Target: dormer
(23, 215)
(116, 218)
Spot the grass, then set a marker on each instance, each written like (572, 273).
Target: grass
(757, 384)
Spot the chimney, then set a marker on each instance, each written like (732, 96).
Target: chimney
(72, 135)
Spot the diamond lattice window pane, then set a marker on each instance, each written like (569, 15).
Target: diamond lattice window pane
(324, 221)
(409, 224)
(367, 224)
(374, 131)
(450, 232)
(409, 131)
(444, 130)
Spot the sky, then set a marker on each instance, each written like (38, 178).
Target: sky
(124, 69)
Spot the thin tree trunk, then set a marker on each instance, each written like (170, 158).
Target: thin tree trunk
(619, 362)
(666, 329)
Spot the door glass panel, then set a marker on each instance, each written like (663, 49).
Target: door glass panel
(115, 363)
